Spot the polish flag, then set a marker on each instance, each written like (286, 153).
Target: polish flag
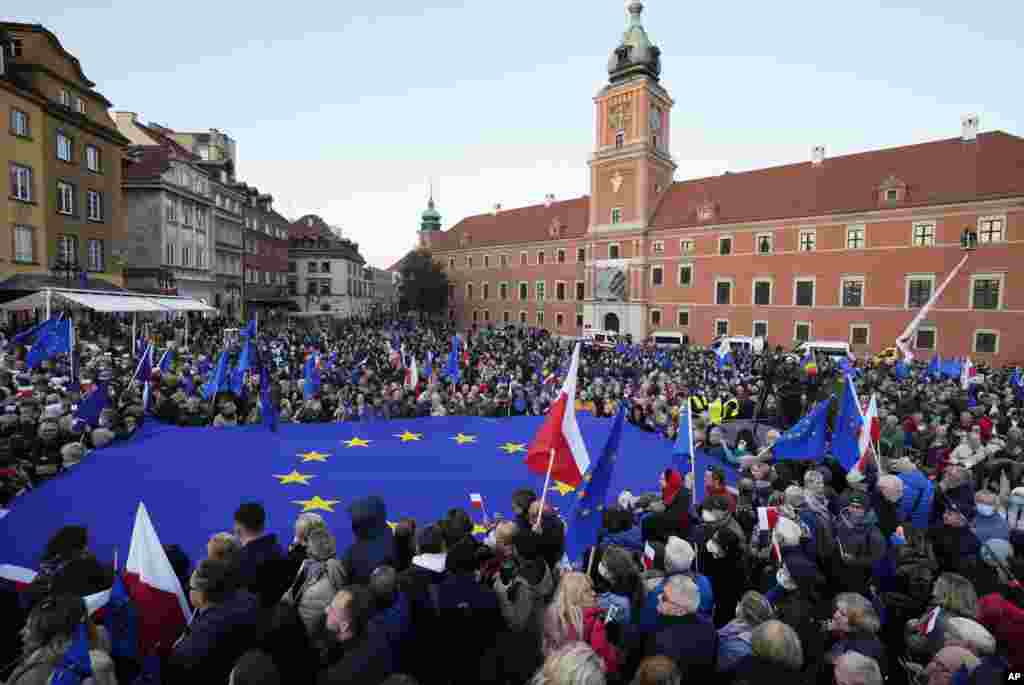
(926, 627)
(561, 433)
(767, 517)
(870, 433)
(22, 577)
(154, 587)
(412, 375)
(476, 499)
(967, 373)
(648, 556)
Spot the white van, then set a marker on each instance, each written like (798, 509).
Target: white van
(829, 348)
(740, 342)
(603, 339)
(667, 338)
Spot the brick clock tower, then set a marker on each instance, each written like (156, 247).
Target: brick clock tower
(629, 171)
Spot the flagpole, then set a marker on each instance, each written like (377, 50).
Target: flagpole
(543, 497)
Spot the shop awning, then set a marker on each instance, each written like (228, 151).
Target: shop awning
(107, 302)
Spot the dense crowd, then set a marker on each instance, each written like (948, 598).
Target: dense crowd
(906, 571)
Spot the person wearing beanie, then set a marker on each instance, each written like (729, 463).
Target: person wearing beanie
(954, 544)
(679, 558)
(860, 546)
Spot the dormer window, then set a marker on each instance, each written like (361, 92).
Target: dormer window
(891, 191)
(706, 212)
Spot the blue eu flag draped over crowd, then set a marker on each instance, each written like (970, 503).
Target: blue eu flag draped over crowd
(585, 521)
(51, 339)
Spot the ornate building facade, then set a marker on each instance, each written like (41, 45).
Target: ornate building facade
(845, 248)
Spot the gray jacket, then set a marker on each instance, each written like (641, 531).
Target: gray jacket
(322, 582)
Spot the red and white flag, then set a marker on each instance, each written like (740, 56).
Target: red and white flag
(648, 556)
(560, 432)
(476, 499)
(926, 627)
(767, 517)
(967, 373)
(412, 375)
(154, 587)
(22, 577)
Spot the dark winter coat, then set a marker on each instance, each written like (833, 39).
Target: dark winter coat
(689, 641)
(262, 568)
(216, 639)
(364, 660)
(754, 670)
(374, 545)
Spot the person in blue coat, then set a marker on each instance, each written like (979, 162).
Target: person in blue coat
(261, 566)
(918, 492)
(374, 545)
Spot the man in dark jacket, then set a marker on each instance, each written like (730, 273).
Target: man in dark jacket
(227, 624)
(421, 583)
(360, 656)
(261, 566)
(860, 546)
(374, 545)
(682, 636)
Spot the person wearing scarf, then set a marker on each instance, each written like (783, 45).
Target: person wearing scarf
(674, 515)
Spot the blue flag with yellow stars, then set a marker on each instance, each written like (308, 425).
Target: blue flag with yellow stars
(805, 440)
(585, 522)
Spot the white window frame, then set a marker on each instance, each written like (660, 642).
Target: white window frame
(559, 320)
(503, 261)
(732, 292)
(22, 182)
(485, 291)
(19, 121)
(468, 261)
(19, 257)
(661, 270)
(679, 275)
(487, 261)
(715, 329)
(503, 285)
(810, 330)
(843, 280)
(934, 225)
(990, 331)
(506, 317)
(476, 316)
(94, 200)
(524, 258)
(935, 338)
(560, 256)
(771, 243)
(859, 325)
(541, 294)
(771, 290)
(542, 258)
(67, 247)
(540, 317)
(451, 263)
(65, 147)
(469, 292)
(906, 287)
(1001, 218)
(658, 247)
(65, 98)
(813, 232)
(65, 198)
(96, 257)
(863, 228)
(524, 317)
(989, 277)
(565, 290)
(650, 316)
(618, 249)
(487, 315)
(753, 328)
(578, 250)
(891, 195)
(814, 294)
(732, 244)
(682, 310)
(686, 246)
(576, 289)
(616, 216)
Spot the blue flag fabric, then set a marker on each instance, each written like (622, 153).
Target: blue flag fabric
(723, 353)
(681, 449)
(219, 378)
(952, 368)
(934, 366)
(452, 371)
(807, 439)
(188, 385)
(166, 360)
(849, 423)
(250, 330)
(52, 339)
(585, 522)
(1017, 382)
(93, 404)
(144, 369)
(310, 377)
(245, 362)
(121, 621)
(76, 665)
(902, 370)
(28, 336)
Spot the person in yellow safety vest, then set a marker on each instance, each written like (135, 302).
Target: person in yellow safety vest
(731, 409)
(698, 404)
(715, 412)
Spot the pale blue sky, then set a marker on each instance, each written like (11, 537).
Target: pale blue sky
(346, 108)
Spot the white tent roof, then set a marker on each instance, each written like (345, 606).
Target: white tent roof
(109, 301)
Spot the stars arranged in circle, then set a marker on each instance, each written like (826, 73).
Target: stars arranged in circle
(313, 456)
(463, 439)
(294, 477)
(409, 437)
(513, 447)
(357, 442)
(317, 503)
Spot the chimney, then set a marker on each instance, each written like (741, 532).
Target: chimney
(497, 208)
(548, 199)
(817, 155)
(969, 127)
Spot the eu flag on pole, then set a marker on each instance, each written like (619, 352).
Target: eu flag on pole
(166, 360)
(585, 521)
(243, 366)
(219, 378)
(29, 335)
(849, 424)
(53, 339)
(311, 377)
(805, 440)
(267, 409)
(250, 330)
(452, 371)
(94, 403)
(934, 366)
(682, 451)
(724, 354)
(902, 370)
(1017, 382)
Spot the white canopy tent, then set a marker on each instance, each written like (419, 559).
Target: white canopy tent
(109, 301)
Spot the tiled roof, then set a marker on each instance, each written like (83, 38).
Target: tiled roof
(525, 224)
(154, 160)
(302, 230)
(940, 172)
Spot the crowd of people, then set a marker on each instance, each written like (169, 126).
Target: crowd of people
(905, 571)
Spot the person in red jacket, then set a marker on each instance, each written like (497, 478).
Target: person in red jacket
(1006, 622)
(573, 616)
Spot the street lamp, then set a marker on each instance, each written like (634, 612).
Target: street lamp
(66, 269)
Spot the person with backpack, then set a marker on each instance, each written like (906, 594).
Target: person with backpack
(319, 579)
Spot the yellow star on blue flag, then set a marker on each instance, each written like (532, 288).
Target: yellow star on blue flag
(313, 456)
(357, 442)
(409, 437)
(317, 503)
(513, 447)
(294, 477)
(464, 439)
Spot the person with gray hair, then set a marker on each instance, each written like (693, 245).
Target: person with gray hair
(304, 523)
(318, 580)
(734, 637)
(971, 635)
(574, 663)
(853, 668)
(776, 656)
(683, 636)
(856, 623)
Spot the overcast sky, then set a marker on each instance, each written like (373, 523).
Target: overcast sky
(347, 114)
